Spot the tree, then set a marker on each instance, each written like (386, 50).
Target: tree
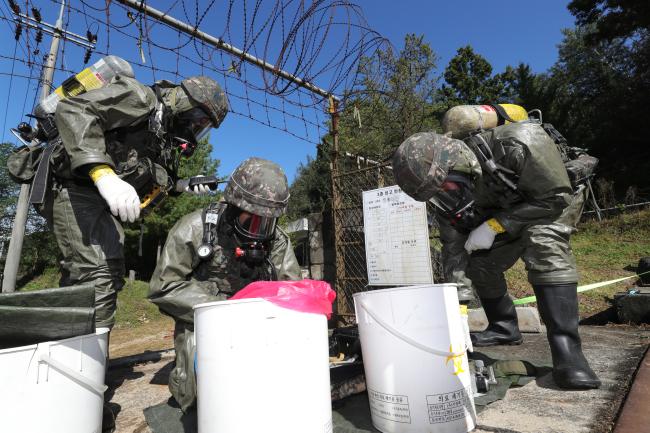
(311, 189)
(8, 197)
(614, 85)
(397, 95)
(8, 191)
(613, 18)
(469, 80)
(393, 98)
(591, 95)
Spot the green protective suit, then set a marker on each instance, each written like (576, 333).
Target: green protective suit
(538, 219)
(104, 126)
(181, 280)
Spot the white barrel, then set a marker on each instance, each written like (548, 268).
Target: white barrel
(261, 368)
(417, 372)
(54, 387)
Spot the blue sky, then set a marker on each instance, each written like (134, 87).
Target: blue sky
(504, 32)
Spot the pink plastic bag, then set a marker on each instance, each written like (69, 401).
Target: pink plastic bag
(308, 296)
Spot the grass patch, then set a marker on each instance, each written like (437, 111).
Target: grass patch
(48, 279)
(604, 251)
(133, 307)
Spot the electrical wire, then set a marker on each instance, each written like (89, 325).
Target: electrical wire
(11, 80)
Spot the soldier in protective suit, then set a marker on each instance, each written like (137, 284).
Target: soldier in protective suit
(212, 253)
(501, 195)
(118, 143)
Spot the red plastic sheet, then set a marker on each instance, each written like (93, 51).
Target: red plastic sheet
(308, 296)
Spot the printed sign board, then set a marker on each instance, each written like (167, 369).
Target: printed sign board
(397, 238)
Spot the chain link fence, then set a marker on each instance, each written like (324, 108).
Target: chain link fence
(355, 175)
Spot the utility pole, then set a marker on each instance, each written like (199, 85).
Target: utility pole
(22, 207)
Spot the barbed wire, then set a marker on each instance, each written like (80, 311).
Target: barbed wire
(322, 42)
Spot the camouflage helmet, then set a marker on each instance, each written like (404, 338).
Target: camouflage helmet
(206, 93)
(258, 186)
(423, 161)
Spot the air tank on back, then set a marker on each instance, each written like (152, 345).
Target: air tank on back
(463, 119)
(93, 77)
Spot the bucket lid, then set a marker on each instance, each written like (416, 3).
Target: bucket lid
(394, 289)
(228, 303)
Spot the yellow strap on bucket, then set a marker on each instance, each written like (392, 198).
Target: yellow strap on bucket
(407, 339)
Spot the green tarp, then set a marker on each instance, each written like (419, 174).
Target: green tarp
(45, 315)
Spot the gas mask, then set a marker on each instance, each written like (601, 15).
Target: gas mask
(455, 199)
(188, 129)
(253, 234)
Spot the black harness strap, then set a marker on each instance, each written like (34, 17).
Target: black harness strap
(484, 154)
(218, 209)
(41, 180)
(503, 114)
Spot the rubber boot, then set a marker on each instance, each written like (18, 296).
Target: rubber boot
(502, 323)
(558, 306)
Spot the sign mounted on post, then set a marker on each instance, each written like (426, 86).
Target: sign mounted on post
(397, 238)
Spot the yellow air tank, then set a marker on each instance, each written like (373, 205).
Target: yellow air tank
(463, 119)
(93, 77)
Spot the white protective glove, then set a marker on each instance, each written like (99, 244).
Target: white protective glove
(197, 189)
(482, 237)
(121, 197)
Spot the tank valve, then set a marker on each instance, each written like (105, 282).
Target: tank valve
(483, 377)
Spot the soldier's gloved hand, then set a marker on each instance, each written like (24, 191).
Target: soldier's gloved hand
(121, 197)
(197, 189)
(482, 237)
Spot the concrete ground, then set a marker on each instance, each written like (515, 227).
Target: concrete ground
(614, 354)
(538, 407)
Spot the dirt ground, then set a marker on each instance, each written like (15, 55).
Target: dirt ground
(152, 336)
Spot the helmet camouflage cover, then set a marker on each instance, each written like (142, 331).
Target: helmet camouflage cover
(423, 161)
(207, 94)
(258, 186)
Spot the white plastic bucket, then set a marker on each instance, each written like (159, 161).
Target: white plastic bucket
(417, 373)
(261, 368)
(54, 387)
